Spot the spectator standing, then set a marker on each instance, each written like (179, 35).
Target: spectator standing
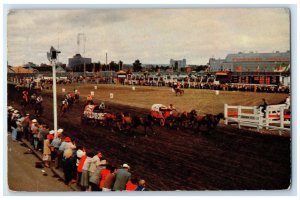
(109, 180)
(95, 177)
(35, 132)
(95, 162)
(68, 164)
(122, 177)
(84, 181)
(47, 151)
(102, 176)
(56, 142)
(26, 125)
(14, 126)
(67, 143)
(80, 167)
(19, 128)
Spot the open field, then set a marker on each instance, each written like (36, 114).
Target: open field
(228, 159)
(204, 101)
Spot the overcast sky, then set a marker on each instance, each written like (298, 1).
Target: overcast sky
(153, 36)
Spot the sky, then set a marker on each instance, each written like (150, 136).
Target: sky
(154, 36)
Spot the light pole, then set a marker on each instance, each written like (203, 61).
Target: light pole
(52, 56)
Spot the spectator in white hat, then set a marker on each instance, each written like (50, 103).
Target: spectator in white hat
(122, 177)
(59, 132)
(35, 132)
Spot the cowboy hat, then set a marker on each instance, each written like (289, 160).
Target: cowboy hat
(34, 121)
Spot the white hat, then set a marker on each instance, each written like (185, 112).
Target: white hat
(27, 114)
(126, 166)
(60, 130)
(9, 107)
(52, 132)
(34, 120)
(16, 111)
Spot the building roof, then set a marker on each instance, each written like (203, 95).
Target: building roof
(23, 70)
(277, 56)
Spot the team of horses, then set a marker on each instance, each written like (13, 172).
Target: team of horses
(126, 122)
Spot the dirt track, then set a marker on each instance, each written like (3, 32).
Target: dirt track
(229, 159)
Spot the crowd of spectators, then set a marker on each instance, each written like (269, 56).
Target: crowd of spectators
(89, 170)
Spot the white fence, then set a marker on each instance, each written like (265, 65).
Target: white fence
(252, 116)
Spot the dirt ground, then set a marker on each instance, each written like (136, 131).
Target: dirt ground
(228, 159)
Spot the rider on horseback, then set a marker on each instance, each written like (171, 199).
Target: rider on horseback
(38, 105)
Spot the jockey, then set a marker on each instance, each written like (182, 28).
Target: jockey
(178, 85)
(102, 107)
(65, 101)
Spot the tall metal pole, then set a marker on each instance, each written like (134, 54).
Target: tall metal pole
(106, 59)
(54, 95)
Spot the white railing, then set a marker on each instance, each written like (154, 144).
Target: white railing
(252, 116)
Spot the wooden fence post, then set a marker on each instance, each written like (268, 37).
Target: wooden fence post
(239, 115)
(226, 114)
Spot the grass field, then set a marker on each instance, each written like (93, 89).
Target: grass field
(204, 101)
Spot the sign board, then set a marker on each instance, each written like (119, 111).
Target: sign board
(63, 90)
(92, 93)
(111, 95)
(133, 88)
(95, 87)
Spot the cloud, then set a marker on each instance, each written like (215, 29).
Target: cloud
(151, 35)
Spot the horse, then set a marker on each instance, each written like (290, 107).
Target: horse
(209, 120)
(38, 109)
(124, 121)
(186, 119)
(179, 91)
(64, 107)
(146, 122)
